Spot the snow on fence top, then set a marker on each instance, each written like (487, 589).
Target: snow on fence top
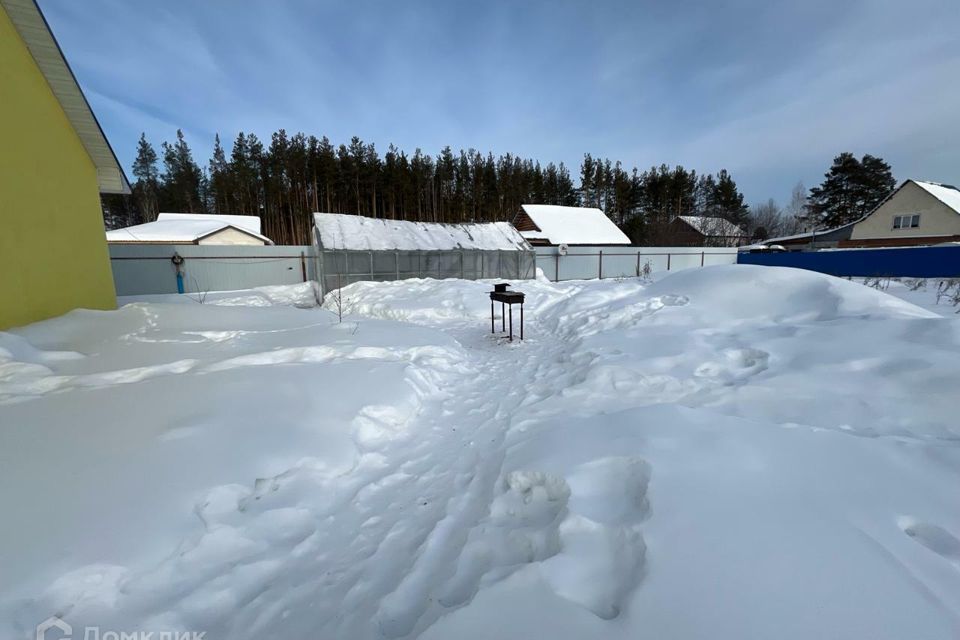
(572, 225)
(358, 233)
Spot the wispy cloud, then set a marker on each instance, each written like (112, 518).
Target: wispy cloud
(769, 90)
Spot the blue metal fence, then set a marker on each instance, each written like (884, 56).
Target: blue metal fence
(905, 262)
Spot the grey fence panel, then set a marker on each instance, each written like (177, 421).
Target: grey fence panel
(147, 269)
(618, 265)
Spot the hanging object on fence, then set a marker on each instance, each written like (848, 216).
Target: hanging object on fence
(506, 299)
(178, 261)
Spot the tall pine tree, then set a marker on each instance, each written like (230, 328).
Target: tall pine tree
(727, 201)
(219, 176)
(183, 181)
(146, 189)
(850, 190)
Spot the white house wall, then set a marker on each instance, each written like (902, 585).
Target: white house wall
(230, 236)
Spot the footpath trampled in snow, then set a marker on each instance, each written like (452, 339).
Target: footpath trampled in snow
(727, 452)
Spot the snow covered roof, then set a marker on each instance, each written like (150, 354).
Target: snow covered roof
(945, 193)
(186, 228)
(572, 225)
(795, 236)
(713, 226)
(823, 234)
(359, 233)
(248, 223)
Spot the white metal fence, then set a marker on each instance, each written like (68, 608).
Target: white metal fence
(589, 262)
(148, 269)
(140, 269)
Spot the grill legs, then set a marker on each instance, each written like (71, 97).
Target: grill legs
(505, 314)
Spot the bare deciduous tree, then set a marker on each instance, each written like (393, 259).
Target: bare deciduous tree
(765, 221)
(796, 212)
(337, 297)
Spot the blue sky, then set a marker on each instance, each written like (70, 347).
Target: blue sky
(768, 90)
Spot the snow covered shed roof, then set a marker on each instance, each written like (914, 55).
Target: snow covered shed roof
(247, 223)
(348, 232)
(186, 228)
(712, 226)
(827, 235)
(568, 225)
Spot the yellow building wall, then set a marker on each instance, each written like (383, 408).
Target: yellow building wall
(53, 250)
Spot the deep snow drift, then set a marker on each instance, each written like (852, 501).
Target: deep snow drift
(731, 452)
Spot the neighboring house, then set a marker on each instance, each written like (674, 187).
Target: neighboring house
(704, 231)
(810, 240)
(193, 228)
(54, 163)
(916, 213)
(553, 225)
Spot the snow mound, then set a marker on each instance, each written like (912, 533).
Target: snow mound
(611, 490)
(781, 294)
(598, 566)
(302, 295)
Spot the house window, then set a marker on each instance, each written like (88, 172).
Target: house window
(906, 222)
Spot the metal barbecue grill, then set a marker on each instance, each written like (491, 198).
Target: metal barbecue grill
(506, 299)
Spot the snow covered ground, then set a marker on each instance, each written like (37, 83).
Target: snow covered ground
(933, 294)
(728, 452)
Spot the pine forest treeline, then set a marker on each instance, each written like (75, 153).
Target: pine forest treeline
(288, 178)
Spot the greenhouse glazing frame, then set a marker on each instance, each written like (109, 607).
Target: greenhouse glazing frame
(339, 267)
